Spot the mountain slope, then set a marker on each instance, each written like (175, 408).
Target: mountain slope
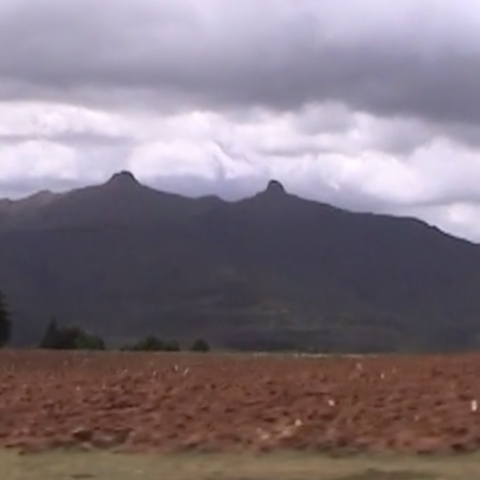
(273, 269)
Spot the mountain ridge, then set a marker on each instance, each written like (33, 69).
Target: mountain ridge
(125, 180)
(273, 269)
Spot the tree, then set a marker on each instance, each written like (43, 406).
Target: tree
(172, 346)
(5, 322)
(50, 337)
(70, 338)
(86, 341)
(147, 344)
(200, 345)
(150, 344)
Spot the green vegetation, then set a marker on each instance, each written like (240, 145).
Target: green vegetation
(105, 466)
(200, 345)
(70, 338)
(5, 322)
(74, 338)
(172, 346)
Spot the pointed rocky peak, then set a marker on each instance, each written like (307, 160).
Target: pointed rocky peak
(123, 182)
(123, 178)
(273, 196)
(274, 187)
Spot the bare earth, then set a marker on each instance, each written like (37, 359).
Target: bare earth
(225, 403)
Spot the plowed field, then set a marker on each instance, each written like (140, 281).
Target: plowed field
(168, 402)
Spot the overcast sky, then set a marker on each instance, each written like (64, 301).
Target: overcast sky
(367, 104)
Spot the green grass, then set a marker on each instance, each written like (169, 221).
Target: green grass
(111, 466)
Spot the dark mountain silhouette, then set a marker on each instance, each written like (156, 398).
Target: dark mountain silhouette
(270, 271)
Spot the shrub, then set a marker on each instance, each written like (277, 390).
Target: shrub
(70, 338)
(172, 346)
(147, 344)
(200, 345)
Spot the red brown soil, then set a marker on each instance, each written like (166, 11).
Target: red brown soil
(176, 402)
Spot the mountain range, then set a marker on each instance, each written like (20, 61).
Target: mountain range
(271, 271)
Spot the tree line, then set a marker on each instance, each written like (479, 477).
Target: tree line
(5, 322)
(57, 337)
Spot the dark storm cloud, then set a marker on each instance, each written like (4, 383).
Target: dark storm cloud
(406, 58)
(367, 104)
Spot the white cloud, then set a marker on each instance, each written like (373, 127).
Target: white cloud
(39, 160)
(366, 104)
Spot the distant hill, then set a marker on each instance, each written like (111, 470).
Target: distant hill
(270, 271)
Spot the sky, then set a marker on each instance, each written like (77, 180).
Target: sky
(365, 104)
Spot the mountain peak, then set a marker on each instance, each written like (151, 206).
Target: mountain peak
(123, 178)
(274, 187)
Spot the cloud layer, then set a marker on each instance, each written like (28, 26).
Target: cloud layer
(366, 104)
